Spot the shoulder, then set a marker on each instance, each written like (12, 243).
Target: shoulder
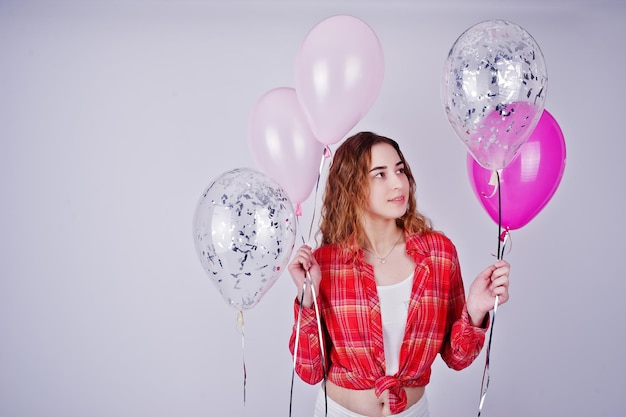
(436, 251)
(329, 254)
(431, 243)
(337, 257)
(326, 250)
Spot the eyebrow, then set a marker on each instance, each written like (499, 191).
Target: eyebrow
(385, 166)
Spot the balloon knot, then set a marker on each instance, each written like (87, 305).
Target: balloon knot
(240, 319)
(298, 209)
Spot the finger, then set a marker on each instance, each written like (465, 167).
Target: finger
(307, 253)
(499, 273)
(498, 289)
(502, 292)
(487, 273)
(502, 282)
(503, 297)
(299, 263)
(502, 270)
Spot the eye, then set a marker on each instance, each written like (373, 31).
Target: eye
(400, 171)
(379, 174)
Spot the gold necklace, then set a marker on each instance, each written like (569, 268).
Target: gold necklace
(384, 258)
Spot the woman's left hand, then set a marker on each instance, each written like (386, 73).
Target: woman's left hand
(492, 282)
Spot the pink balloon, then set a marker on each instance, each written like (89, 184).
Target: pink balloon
(528, 183)
(282, 143)
(338, 75)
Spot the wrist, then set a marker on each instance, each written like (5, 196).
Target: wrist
(305, 301)
(477, 318)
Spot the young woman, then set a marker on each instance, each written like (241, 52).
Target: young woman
(389, 290)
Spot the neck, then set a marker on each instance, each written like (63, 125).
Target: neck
(380, 240)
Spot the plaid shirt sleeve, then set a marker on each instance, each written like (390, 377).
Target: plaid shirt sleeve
(308, 358)
(463, 342)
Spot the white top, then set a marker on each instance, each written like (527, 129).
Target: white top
(394, 308)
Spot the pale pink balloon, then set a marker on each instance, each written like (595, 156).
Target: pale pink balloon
(528, 183)
(282, 143)
(338, 75)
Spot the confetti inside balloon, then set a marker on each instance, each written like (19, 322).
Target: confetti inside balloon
(493, 90)
(244, 231)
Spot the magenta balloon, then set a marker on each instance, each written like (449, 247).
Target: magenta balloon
(528, 183)
(282, 143)
(338, 75)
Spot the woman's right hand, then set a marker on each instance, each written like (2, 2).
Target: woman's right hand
(304, 262)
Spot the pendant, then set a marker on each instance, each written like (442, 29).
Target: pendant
(382, 261)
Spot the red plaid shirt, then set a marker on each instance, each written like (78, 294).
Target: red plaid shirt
(437, 322)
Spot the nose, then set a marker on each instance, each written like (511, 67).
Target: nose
(397, 182)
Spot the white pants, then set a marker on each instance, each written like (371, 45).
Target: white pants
(419, 409)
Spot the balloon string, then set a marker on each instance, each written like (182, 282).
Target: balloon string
(295, 349)
(499, 216)
(325, 155)
(501, 243)
(321, 342)
(485, 380)
(240, 327)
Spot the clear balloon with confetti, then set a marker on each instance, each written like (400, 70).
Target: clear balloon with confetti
(493, 90)
(244, 231)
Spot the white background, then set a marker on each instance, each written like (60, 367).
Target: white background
(115, 116)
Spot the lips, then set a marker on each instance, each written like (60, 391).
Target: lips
(399, 199)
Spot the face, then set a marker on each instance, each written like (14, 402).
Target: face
(389, 185)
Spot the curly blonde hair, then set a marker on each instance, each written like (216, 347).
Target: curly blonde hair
(347, 191)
